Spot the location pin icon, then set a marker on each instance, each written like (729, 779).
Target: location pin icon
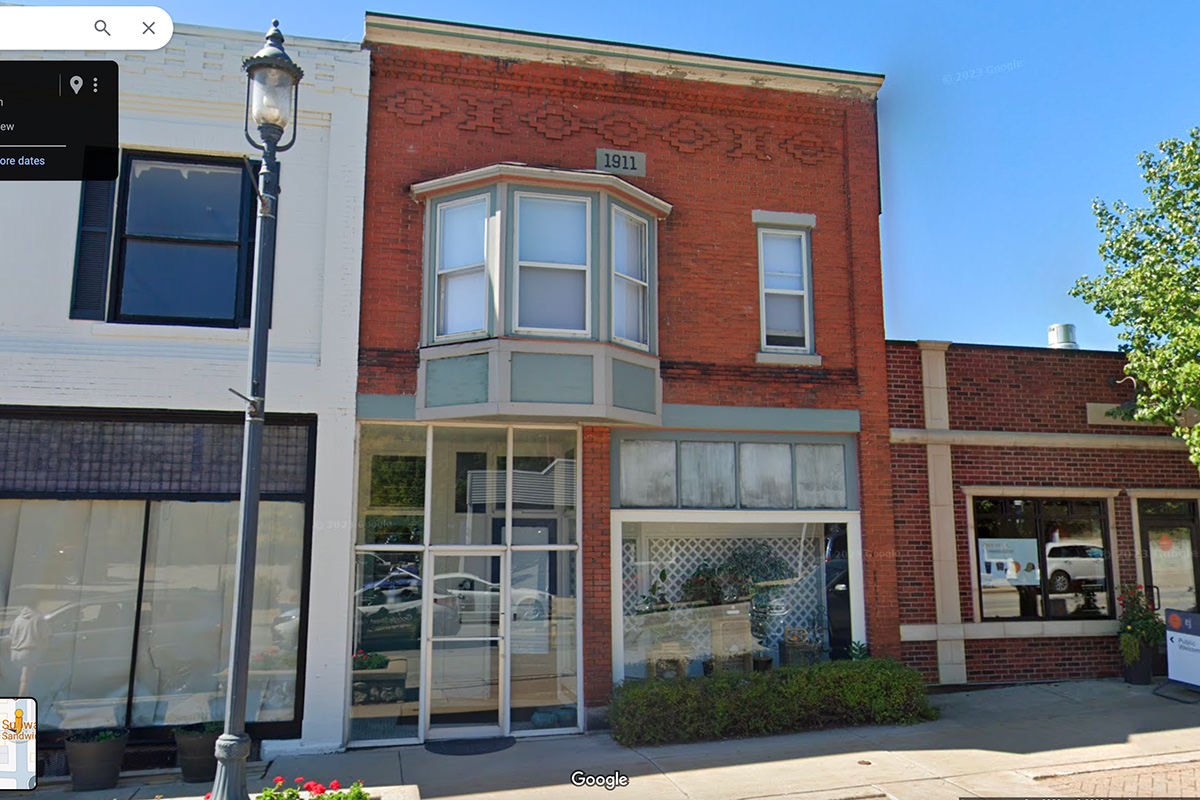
(76, 83)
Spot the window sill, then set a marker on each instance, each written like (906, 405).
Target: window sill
(1015, 629)
(186, 332)
(788, 359)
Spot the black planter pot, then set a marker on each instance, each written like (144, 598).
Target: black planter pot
(95, 765)
(1140, 671)
(196, 750)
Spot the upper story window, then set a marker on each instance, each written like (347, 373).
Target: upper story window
(461, 267)
(182, 247)
(539, 252)
(631, 278)
(553, 263)
(785, 278)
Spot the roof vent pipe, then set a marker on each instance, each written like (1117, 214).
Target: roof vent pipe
(1062, 336)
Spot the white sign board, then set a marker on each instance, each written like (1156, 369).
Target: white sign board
(1183, 646)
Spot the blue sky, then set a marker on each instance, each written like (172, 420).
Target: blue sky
(999, 123)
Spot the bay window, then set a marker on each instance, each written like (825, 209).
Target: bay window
(631, 287)
(553, 263)
(461, 273)
(516, 251)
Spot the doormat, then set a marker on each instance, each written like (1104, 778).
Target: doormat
(469, 747)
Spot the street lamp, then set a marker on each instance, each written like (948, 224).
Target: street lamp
(273, 81)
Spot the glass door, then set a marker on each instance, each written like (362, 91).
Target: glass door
(1169, 551)
(467, 676)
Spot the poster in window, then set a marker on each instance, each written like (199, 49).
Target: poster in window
(1008, 562)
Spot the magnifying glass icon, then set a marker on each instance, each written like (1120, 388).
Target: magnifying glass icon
(102, 27)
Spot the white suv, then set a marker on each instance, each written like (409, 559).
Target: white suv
(1073, 563)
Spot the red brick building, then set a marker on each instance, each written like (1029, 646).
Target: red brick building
(1021, 504)
(623, 388)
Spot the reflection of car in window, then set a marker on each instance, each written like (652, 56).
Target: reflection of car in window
(481, 597)
(1073, 564)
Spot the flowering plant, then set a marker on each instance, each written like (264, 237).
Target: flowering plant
(365, 660)
(1140, 625)
(273, 659)
(334, 791)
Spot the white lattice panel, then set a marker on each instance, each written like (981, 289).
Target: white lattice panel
(797, 605)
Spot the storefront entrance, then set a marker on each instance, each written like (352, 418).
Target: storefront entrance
(466, 626)
(1170, 546)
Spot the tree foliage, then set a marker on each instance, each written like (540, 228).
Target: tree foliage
(1150, 287)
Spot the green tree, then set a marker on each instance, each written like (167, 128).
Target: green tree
(1150, 287)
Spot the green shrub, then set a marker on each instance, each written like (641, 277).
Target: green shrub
(732, 705)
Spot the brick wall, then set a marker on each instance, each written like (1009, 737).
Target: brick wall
(597, 568)
(1073, 658)
(717, 152)
(910, 487)
(1017, 389)
(1035, 389)
(921, 656)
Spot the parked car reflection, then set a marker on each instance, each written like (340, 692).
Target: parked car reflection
(1071, 564)
(480, 599)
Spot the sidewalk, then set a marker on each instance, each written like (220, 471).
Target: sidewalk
(1038, 741)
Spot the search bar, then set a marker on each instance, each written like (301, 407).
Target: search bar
(84, 27)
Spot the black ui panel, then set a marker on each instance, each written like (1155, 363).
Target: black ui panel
(58, 120)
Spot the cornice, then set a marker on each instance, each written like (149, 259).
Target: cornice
(613, 57)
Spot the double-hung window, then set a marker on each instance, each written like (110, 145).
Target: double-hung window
(182, 247)
(461, 267)
(631, 278)
(783, 257)
(553, 263)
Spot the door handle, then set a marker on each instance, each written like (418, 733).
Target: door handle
(1157, 597)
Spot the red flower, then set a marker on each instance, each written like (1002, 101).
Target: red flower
(317, 789)
(207, 796)
(279, 779)
(333, 784)
(300, 779)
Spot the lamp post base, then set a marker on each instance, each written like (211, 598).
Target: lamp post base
(232, 751)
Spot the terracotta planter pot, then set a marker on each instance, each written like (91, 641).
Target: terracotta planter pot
(95, 765)
(196, 753)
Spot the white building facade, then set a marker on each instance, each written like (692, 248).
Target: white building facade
(123, 325)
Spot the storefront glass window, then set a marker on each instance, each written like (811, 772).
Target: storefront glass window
(699, 597)
(1042, 559)
(70, 571)
(187, 608)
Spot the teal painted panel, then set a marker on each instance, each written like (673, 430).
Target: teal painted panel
(456, 381)
(550, 378)
(387, 406)
(633, 387)
(816, 420)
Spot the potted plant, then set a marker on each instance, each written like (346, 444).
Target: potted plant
(1141, 633)
(196, 749)
(94, 757)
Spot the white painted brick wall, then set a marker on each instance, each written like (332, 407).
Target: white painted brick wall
(190, 97)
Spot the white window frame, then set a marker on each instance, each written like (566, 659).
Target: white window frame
(586, 267)
(803, 234)
(615, 276)
(438, 272)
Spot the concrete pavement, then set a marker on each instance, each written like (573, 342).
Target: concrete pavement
(1043, 740)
